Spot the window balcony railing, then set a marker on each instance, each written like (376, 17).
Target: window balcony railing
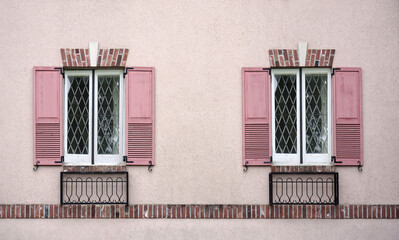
(94, 188)
(303, 188)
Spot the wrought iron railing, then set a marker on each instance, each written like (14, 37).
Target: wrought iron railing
(94, 188)
(303, 188)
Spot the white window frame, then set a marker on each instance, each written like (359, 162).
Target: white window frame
(99, 159)
(295, 158)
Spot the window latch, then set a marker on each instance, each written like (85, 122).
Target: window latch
(126, 161)
(61, 160)
(334, 160)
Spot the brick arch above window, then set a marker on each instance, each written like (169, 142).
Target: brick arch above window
(291, 58)
(78, 57)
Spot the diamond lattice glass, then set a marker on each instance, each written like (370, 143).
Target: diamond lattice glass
(286, 114)
(316, 113)
(108, 115)
(78, 115)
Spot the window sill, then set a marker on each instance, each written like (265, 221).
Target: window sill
(294, 169)
(94, 168)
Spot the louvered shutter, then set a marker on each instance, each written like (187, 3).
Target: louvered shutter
(256, 116)
(347, 100)
(47, 127)
(140, 116)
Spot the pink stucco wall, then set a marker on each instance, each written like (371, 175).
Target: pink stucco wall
(198, 49)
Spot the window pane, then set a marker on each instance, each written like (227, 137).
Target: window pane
(286, 114)
(316, 89)
(108, 115)
(78, 115)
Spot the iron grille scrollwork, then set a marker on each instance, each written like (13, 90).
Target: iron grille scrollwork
(94, 188)
(303, 188)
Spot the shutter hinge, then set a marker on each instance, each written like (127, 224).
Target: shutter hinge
(267, 69)
(126, 161)
(334, 160)
(271, 160)
(126, 70)
(61, 160)
(333, 71)
(61, 72)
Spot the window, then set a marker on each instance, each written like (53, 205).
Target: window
(93, 113)
(309, 116)
(301, 116)
(101, 117)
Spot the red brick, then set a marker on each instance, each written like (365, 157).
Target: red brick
(286, 211)
(373, 212)
(262, 211)
(36, 211)
(55, 211)
(103, 211)
(396, 211)
(271, 211)
(281, 60)
(211, 211)
(12, 211)
(350, 207)
(17, 211)
(216, 212)
(309, 211)
(363, 211)
(141, 210)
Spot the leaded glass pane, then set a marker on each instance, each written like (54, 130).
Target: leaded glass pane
(78, 115)
(316, 89)
(286, 114)
(108, 115)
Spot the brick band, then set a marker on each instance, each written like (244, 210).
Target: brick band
(194, 211)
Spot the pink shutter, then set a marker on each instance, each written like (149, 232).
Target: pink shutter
(256, 116)
(140, 116)
(347, 99)
(47, 129)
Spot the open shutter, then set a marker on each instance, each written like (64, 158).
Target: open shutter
(347, 87)
(140, 116)
(47, 127)
(256, 116)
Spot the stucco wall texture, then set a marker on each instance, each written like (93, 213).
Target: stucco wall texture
(198, 49)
